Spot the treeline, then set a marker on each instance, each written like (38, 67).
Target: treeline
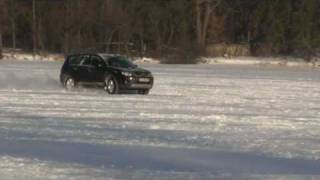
(176, 29)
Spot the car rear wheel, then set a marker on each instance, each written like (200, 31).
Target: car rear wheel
(69, 83)
(111, 86)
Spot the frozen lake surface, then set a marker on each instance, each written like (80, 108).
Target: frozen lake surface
(199, 122)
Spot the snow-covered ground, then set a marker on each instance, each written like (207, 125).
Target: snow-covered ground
(263, 61)
(199, 122)
(19, 55)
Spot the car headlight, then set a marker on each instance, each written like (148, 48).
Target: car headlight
(126, 74)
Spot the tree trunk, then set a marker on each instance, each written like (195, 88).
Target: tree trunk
(205, 25)
(79, 36)
(40, 36)
(14, 36)
(171, 34)
(199, 24)
(34, 27)
(109, 42)
(159, 44)
(1, 25)
(12, 19)
(157, 34)
(142, 46)
(66, 44)
(202, 22)
(1, 56)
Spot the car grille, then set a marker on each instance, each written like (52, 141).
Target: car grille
(141, 74)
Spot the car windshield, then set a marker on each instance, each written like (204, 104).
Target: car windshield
(121, 61)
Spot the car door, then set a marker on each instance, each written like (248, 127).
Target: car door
(85, 68)
(72, 66)
(98, 70)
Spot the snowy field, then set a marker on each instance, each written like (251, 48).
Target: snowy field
(199, 122)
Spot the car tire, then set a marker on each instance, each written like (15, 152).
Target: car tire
(111, 85)
(69, 83)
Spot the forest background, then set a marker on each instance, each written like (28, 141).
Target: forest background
(176, 30)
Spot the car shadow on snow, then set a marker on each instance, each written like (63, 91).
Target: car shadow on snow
(139, 157)
(156, 158)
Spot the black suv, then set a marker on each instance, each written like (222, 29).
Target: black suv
(112, 72)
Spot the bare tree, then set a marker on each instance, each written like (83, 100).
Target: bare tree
(162, 28)
(1, 25)
(12, 15)
(204, 10)
(34, 26)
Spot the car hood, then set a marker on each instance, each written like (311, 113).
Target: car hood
(140, 72)
(135, 71)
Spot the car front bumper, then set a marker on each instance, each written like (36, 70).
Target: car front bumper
(134, 84)
(140, 86)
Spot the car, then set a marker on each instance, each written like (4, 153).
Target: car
(112, 72)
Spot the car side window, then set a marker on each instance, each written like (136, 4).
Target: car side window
(97, 62)
(74, 60)
(85, 60)
(113, 62)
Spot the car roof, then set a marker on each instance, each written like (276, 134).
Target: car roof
(107, 56)
(103, 55)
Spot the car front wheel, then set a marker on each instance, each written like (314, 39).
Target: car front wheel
(111, 86)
